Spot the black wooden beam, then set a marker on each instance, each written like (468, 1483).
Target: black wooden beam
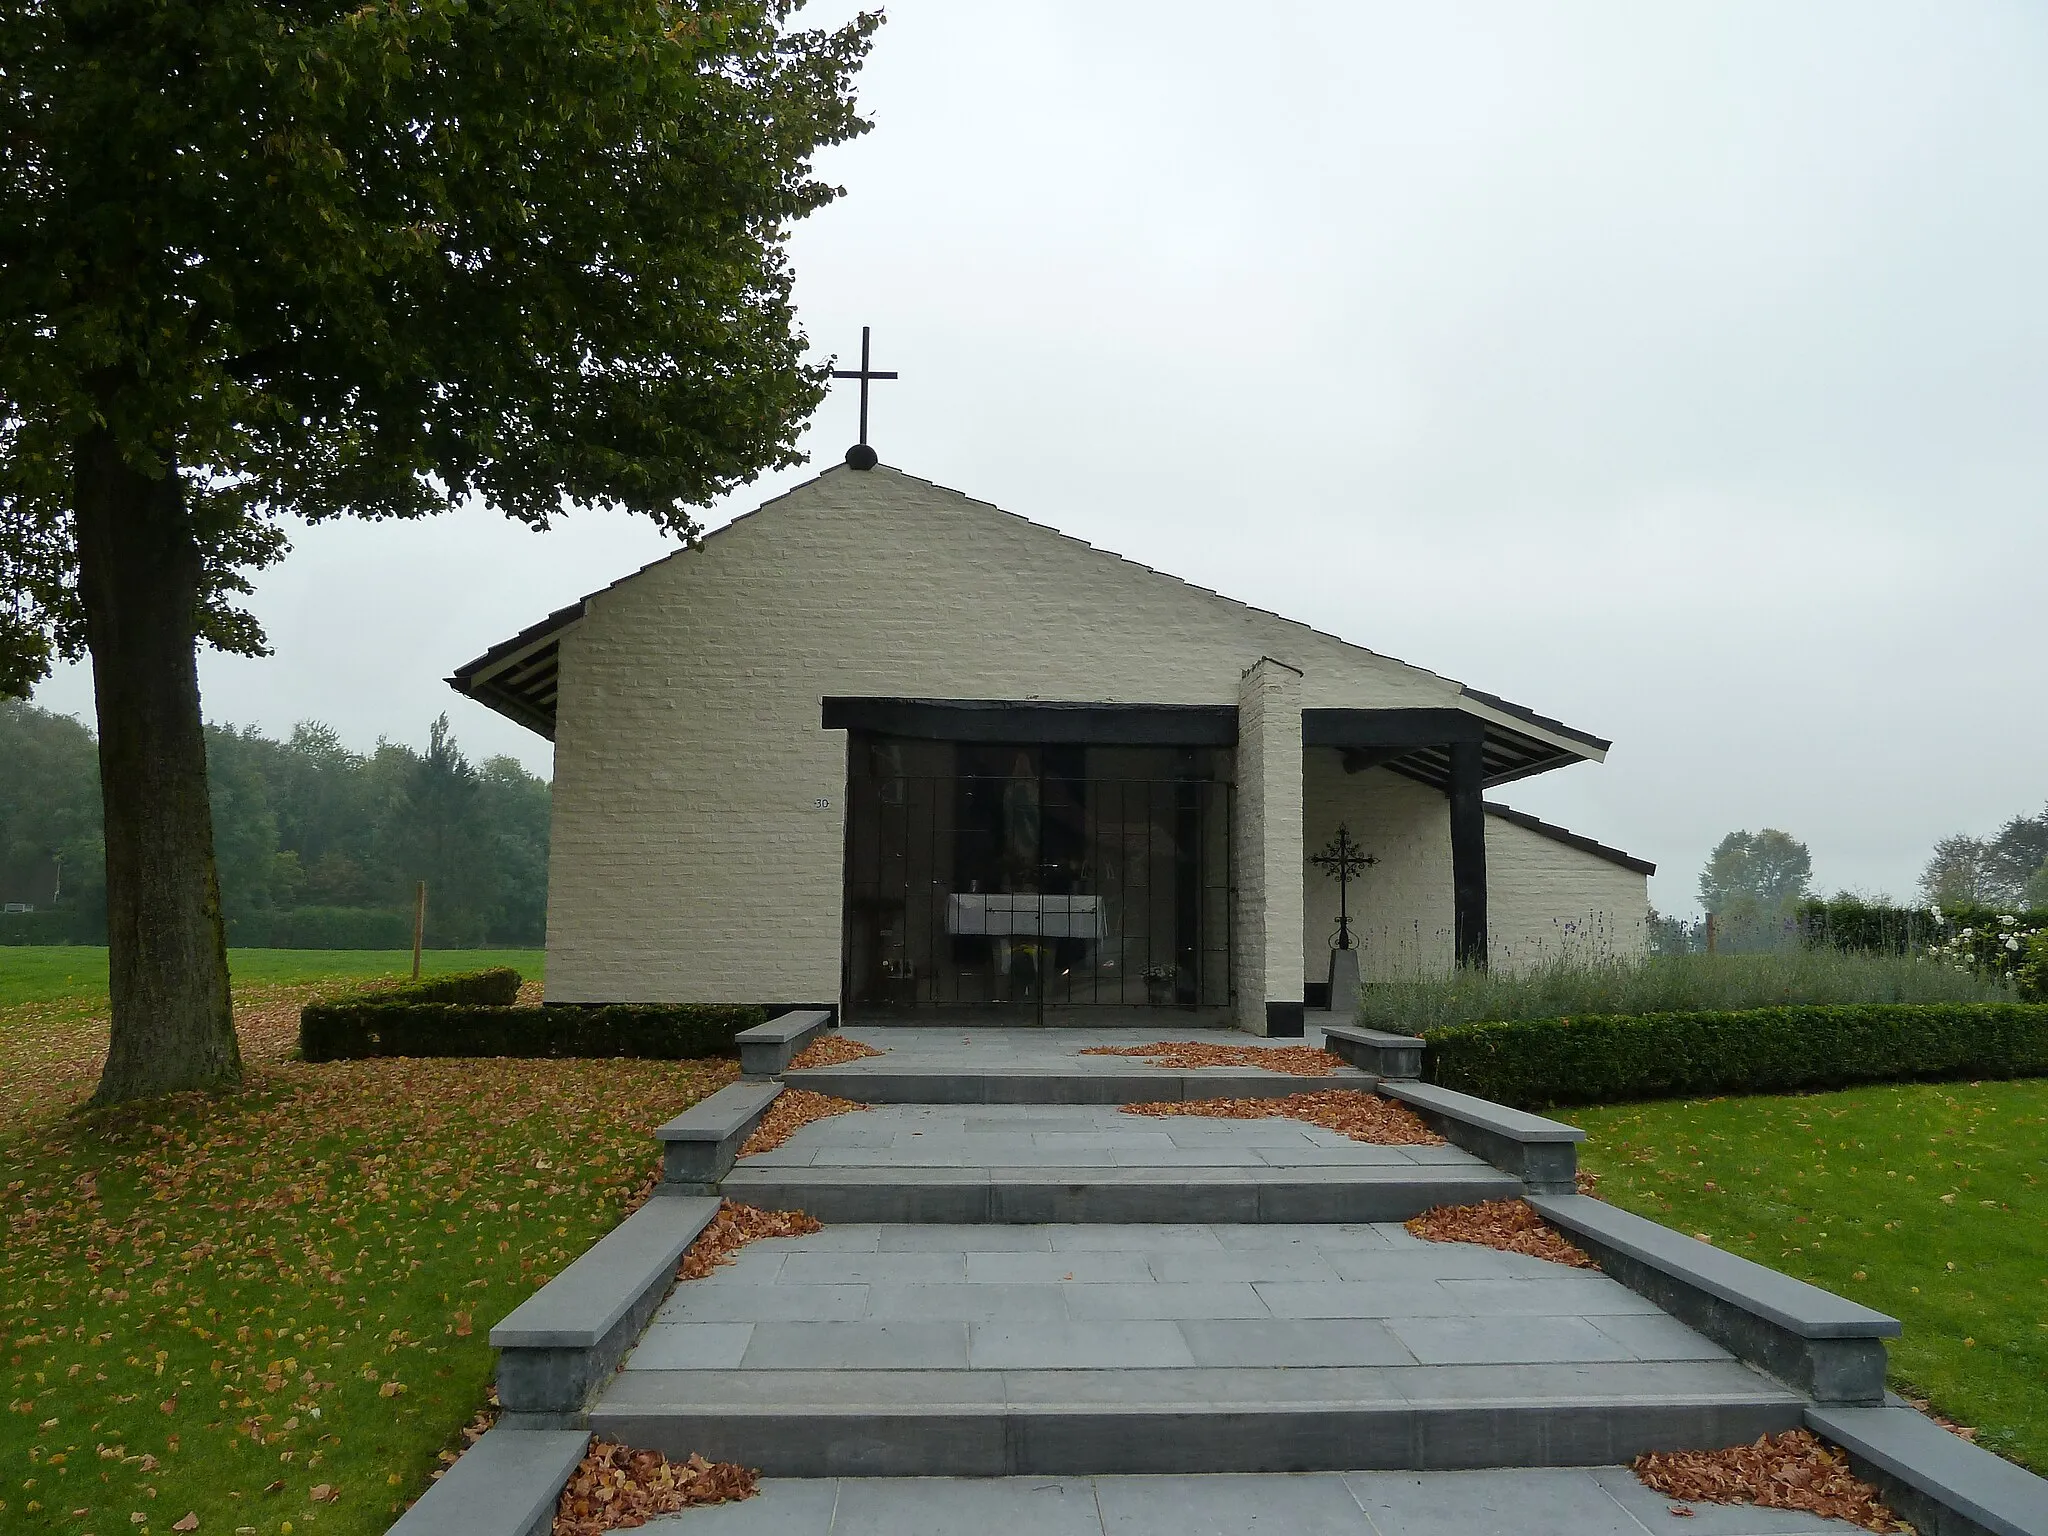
(1468, 853)
(1358, 759)
(1037, 721)
(1388, 727)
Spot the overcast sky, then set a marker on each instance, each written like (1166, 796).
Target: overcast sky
(1677, 370)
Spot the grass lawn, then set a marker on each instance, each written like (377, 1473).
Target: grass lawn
(1928, 1201)
(225, 1307)
(77, 973)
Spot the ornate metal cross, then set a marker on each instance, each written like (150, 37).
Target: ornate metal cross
(860, 455)
(1343, 860)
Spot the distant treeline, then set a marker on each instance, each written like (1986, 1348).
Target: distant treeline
(318, 847)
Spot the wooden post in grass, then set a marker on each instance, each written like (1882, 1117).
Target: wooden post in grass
(1710, 931)
(419, 926)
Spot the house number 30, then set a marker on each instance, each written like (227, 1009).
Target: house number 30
(822, 804)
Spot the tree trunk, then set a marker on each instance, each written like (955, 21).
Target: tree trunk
(138, 580)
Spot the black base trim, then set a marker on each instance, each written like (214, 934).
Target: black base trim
(1285, 1020)
(1315, 995)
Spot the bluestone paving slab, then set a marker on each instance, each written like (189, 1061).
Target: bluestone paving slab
(1327, 1236)
(1197, 1237)
(1510, 1502)
(981, 1238)
(1347, 1298)
(1657, 1336)
(1244, 1264)
(1505, 1340)
(861, 1346)
(1094, 1346)
(1087, 1267)
(1655, 1512)
(1300, 1504)
(1163, 1300)
(1233, 1504)
(1274, 1341)
(785, 1506)
(1571, 1294)
(971, 1303)
(893, 1268)
(691, 1346)
(765, 1304)
(942, 1506)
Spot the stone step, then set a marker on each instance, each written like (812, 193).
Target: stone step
(979, 1423)
(1348, 1192)
(1078, 1080)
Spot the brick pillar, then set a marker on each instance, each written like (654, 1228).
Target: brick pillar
(1265, 852)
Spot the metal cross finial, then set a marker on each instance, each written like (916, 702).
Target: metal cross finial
(1343, 860)
(860, 455)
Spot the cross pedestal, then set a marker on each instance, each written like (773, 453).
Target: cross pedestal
(1344, 983)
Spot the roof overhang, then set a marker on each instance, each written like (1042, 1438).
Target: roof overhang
(1513, 743)
(518, 677)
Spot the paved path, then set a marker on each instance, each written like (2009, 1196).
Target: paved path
(1542, 1501)
(1017, 1277)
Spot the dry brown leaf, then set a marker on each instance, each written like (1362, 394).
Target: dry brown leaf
(1353, 1112)
(1795, 1470)
(1299, 1060)
(831, 1050)
(615, 1486)
(189, 1523)
(322, 1493)
(733, 1228)
(793, 1109)
(1509, 1225)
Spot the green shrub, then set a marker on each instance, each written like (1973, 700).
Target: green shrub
(497, 986)
(1568, 986)
(1604, 1059)
(2033, 976)
(52, 925)
(323, 928)
(353, 1029)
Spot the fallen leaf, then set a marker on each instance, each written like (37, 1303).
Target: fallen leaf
(322, 1493)
(189, 1523)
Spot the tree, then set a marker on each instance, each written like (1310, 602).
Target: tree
(1957, 873)
(1751, 883)
(1769, 870)
(2015, 857)
(261, 260)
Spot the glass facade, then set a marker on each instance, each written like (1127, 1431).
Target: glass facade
(1014, 879)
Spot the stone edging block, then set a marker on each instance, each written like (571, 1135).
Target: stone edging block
(562, 1343)
(1542, 1153)
(767, 1049)
(1939, 1481)
(504, 1485)
(1819, 1343)
(1375, 1050)
(699, 1146)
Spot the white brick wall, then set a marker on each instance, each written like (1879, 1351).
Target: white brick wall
(1541, 895)
(1545, 898)
(691, 859)
(1266, 842)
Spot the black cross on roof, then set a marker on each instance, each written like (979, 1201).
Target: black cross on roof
(860, 455)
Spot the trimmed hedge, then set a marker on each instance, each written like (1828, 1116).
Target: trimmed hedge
(344, 1031)
(323, 928)
(496, 986)
(1601, 1059)
(1878, 928)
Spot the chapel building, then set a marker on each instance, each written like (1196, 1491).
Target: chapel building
(880, 747)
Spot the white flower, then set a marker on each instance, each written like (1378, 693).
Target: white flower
(2008, 920)
(2012, 944)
